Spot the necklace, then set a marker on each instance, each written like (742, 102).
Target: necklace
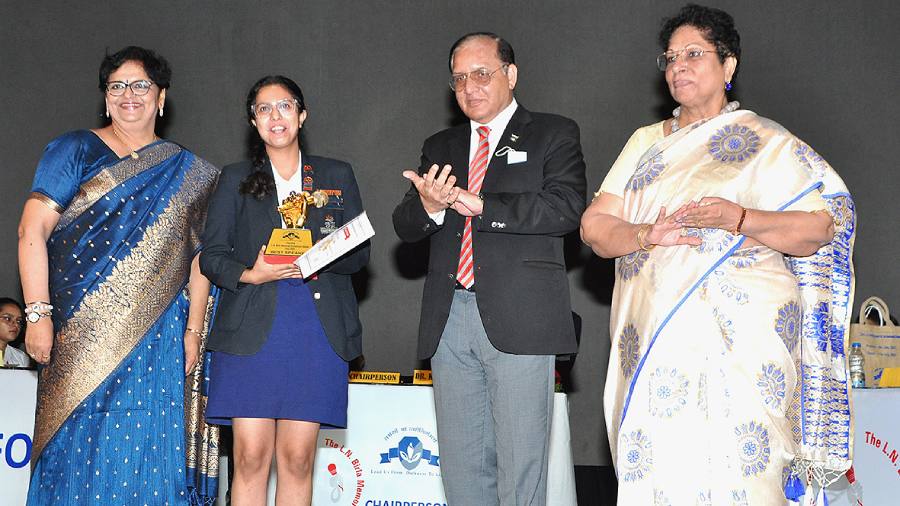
(729, 107)
(134, 153)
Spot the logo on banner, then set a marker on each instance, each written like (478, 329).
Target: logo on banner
(410, 452)
(416, 451)
(343, 479)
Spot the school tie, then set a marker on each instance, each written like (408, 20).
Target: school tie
(465, 272)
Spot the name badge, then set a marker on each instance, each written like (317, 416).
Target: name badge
(513, 156)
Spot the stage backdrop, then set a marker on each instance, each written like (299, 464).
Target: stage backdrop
(374, 74)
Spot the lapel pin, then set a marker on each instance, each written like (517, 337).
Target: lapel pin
(513, 138)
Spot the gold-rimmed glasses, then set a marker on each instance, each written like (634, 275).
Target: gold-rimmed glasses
(481, 77)
(691, 53)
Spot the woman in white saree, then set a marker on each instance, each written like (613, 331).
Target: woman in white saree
(727, 379)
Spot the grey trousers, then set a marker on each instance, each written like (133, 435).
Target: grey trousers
(493, 415)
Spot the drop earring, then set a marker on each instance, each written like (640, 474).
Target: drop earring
(107, 112)
(728, 86)
(160, 111)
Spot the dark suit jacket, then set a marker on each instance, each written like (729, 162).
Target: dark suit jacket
(520, 273)
(238, 225)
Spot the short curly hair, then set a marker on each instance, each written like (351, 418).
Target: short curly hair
(156, 67)
(716, 25)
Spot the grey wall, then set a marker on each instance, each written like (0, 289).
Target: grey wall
(374, 74)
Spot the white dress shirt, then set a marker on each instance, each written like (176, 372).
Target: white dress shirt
(284, 187)
(497, 126)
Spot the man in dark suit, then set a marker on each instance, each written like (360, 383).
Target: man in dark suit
(494, 197)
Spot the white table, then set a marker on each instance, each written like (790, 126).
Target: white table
(389, 452)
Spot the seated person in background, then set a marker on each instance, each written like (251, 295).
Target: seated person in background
(12, 322)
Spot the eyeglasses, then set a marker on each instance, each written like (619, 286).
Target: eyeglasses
(691, 54)
(117, 88)
(285, 107)
(10, 319)
(481, 77)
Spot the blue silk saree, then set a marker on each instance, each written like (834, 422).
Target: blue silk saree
(117, 421)
(728, 376)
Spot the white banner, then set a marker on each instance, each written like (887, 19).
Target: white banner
(389, 454)
(876, 451)
(19, 389)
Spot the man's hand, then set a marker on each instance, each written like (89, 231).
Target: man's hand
(468, 204)
(436, 190)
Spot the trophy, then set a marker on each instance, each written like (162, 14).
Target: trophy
(286, 244)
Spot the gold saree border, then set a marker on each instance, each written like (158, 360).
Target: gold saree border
(201, 438)
(111, 320)
(47, 201)
(104, 181)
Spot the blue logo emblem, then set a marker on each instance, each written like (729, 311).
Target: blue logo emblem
(411, 453)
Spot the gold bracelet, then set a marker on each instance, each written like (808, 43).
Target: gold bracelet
(642, 234)
(193, 331)
(737, 229)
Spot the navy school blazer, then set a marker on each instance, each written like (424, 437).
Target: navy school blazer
(238, 225)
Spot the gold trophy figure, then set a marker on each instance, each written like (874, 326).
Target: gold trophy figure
(286, 244)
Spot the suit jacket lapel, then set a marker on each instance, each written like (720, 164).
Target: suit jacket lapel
(459, 156)
(512, 138)
(271, 203)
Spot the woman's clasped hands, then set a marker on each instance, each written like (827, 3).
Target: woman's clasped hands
(708, 212)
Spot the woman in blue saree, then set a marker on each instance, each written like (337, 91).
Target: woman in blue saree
(116, 304)
(727, 380)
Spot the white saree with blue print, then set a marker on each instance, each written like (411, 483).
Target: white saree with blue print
(727, 376)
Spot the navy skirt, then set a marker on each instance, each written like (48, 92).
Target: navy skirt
(296, 375)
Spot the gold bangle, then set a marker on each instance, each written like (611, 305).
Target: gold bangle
(641, 235)
(737, 229)
(193, 331)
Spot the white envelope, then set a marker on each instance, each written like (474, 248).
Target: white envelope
(513, 156)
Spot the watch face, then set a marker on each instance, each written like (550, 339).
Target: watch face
(33, 317)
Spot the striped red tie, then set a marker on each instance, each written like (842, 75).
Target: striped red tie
(465, 273)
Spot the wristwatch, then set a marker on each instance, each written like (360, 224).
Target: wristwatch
(34, 311)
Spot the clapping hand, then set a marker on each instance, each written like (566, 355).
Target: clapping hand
(436, 190)
(468, 204)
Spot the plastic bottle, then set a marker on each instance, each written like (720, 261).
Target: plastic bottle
(857, 366)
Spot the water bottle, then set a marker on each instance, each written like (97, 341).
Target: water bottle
(857, 366)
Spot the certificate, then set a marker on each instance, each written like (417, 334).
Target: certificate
(335, 245)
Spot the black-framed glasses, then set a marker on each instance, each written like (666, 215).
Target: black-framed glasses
(286, 107)
(481, 77)
(10, 319)
(691, 54)
(117, 88)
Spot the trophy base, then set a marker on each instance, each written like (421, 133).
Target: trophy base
(287, 244)
(280, 259)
